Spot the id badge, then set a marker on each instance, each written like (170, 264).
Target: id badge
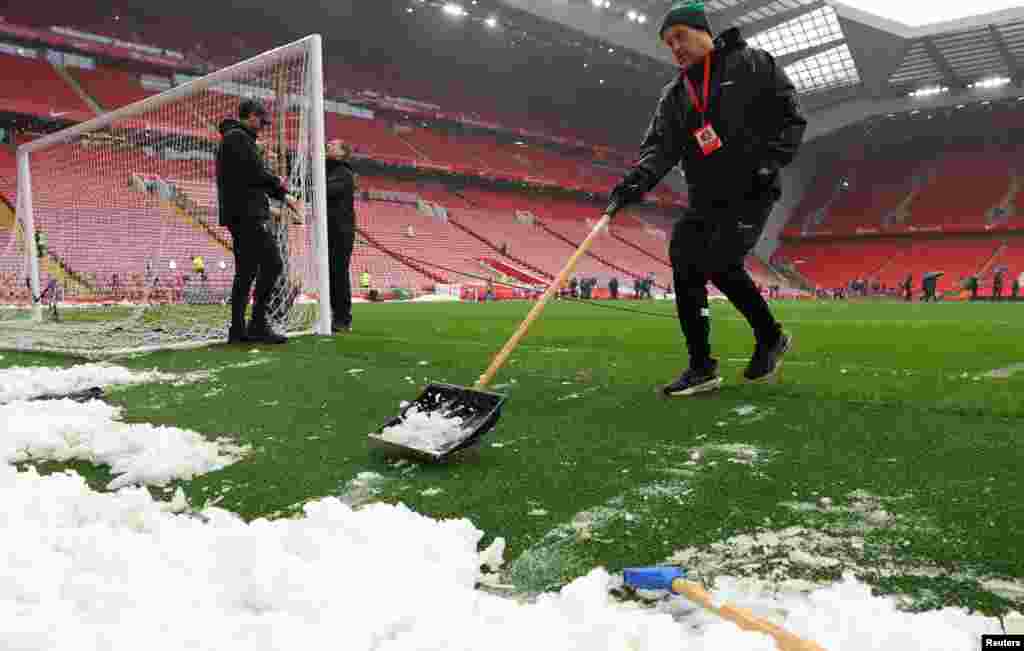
(708, 140)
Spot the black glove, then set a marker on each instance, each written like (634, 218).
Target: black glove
(765, 183)
(628, 191)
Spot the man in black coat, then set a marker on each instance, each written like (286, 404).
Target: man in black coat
(732, 120)
(908, 288)
(243, 186)
(613, 287)
(341, 231)
(973, 285)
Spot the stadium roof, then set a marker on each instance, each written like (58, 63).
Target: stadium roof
(836, 55)
(544, 58)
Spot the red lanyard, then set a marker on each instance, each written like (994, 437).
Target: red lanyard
(701, 105)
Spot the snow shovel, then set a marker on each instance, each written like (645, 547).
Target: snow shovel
(673, 578)
(479, 409)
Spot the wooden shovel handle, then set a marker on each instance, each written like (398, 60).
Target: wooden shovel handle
(556, 284)
(784, 640)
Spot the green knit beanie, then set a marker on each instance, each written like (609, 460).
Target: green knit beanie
(686, 12)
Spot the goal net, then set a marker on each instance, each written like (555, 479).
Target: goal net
(117, 244)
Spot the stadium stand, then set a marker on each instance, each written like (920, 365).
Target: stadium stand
(110, 87)
(944, 203)
(35, 88)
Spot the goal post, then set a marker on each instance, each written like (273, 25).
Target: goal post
(24, 213)
(117, 219)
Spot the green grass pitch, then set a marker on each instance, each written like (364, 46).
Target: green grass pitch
(891, 411)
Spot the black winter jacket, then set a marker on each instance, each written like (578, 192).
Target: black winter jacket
(243, 180)
(341, 188)
(753, 109)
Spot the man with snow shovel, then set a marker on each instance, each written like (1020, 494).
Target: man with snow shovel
(732, 121)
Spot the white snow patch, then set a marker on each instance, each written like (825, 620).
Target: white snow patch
(744, 410)
(810, 560)
(1004, 373)
(92, 431)
(24, 383)
(494, 556)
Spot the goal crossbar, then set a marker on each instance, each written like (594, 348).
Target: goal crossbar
(312, 42)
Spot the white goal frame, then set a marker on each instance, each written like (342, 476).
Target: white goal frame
(313, 46)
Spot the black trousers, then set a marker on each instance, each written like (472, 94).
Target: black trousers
(340, 243)
(256, 258)
(710, 246)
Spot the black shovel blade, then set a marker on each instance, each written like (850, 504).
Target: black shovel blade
(479, 411)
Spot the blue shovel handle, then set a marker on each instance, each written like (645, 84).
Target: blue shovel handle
(653, 578)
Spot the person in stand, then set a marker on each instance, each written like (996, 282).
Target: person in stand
(587, 287)
(928, 284)
(243, 186)
(199, 266)
(341, 232)
(731, 118)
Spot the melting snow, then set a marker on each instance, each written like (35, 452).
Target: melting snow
(744, 410)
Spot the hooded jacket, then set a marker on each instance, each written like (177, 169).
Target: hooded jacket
(341, 189)
(754, 110)
(243, 180)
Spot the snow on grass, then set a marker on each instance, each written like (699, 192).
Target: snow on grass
(62, 430)
(24, 383)
(82, 566)
(856, 536)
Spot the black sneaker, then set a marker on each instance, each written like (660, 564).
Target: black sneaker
(341, 327)
(265, 335)
(237, 336)
(767, 358)
(695, 380)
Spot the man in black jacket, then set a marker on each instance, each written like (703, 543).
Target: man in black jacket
(732, 120)
(243, 185)
(341, 231)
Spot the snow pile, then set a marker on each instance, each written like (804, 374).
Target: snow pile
(24, 383)
(62, 430)
(80, 567)
(431, 431)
